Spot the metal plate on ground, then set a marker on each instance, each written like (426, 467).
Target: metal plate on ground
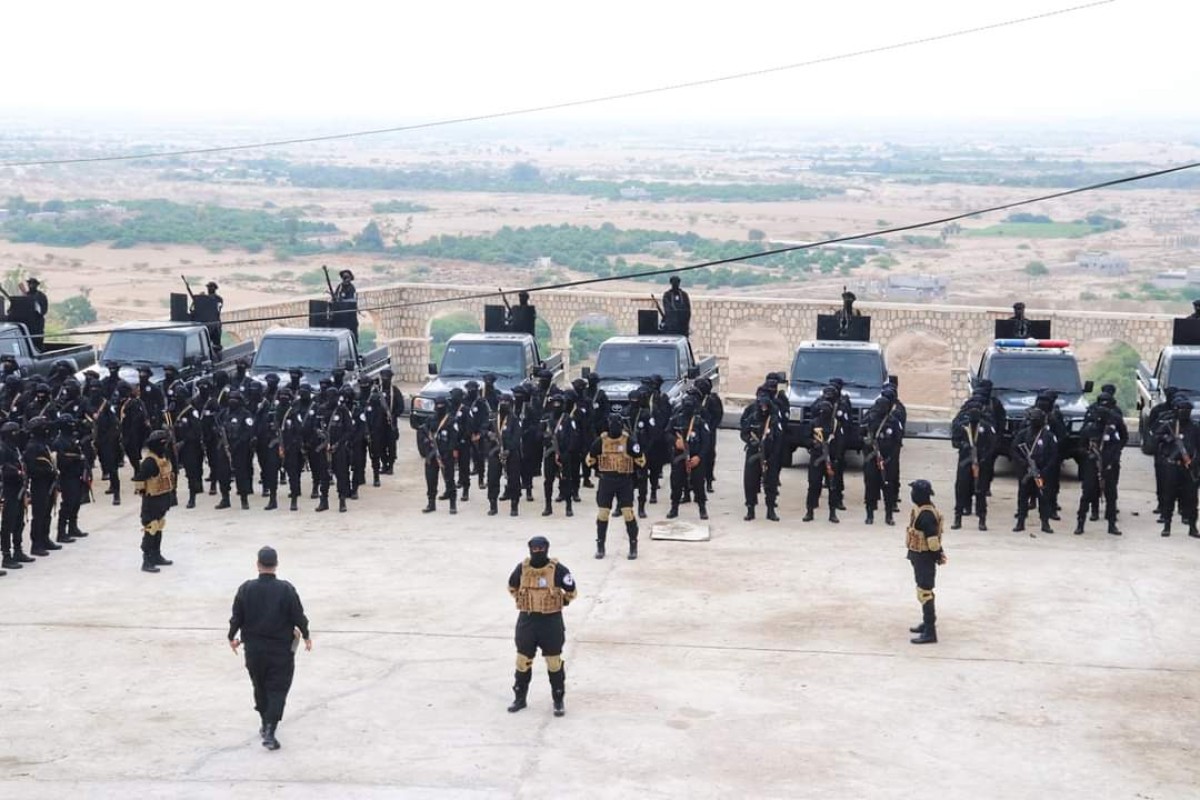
(676, 531)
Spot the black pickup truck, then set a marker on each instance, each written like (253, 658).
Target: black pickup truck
(32, 359)
(183, 345)
(316, 352)
(623, 362)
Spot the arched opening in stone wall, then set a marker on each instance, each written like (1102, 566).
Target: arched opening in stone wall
(754, 350)
(368, 331)
(445, 325)
(922, 363)
(1109, 361)
(585, 337)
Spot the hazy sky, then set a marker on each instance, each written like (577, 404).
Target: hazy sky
(400, 61)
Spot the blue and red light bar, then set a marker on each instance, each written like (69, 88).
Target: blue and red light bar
(1032, 343)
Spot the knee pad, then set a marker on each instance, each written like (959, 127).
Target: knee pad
(924, 595)
(603, 514)
(627, 513)
(524, 663)
(554, 663)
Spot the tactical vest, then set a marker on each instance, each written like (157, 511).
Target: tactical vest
(614, 455)
(537, 592)
(918, 542)
(162, 482)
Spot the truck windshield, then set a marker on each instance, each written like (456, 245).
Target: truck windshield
(1184, 373)
(637, 361)
(159, 348)
(1059, 373)
(855, 367)
(474, 358)
(282, 353)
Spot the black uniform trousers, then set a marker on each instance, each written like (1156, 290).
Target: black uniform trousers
(881, 483)
(293, 463)
(760, 473)
(683, 478)
(12, 520)
(1178, 489)
(271, 667)
(41, 496)
(446, 470)
(817, 479)
(968, 488)
(925, 574)
(341, 466)
(1027, 493)
(191, 456)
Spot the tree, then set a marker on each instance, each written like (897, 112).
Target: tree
(524, 172)
(1036, 269)
(74, 311)
(370, 238)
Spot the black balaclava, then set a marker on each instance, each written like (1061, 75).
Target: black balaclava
(922, 491)
(615, 427)
(539, 552)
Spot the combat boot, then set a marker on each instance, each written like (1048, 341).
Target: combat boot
(1079, 525)
(1112, 528)
(957, 523)
(157, 556)
(492, 509)
(341, 504)
(917, 628)
(703, 510)
(928, 635)
(570, 511)
(982, 522)
(315, 494)
(430, 505)
(1192, 532)
(268, 740)
(117, 496)
(148, 564)
(375, 480)
(324, 504)
(20, 557)
(641, 511)
(466, 492)
(771, 515)
(212, 487)
(8, 562)
(749, 513)
(708, 486)
(549, 509)
(513, 510)
(446, 494)
(191, 503)
(1166, 531)
(888, 517)
(529, 495)
(673, 512)
(245, 502)
(1020, 526)
(63, 537)
(453, 505)
(808, 515)
(272, 504)
(224, 501)
(601, 537)
(558, 682)
(653, 495)
(632, 531)
(520, 690)
(294, 505)
(870, 520)
(928, 632)
(833, 517)
(1046, 526)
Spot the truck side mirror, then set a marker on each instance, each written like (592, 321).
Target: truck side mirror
(585, 371)
(693, 373)
(1152, 384)
(1088, 386)
(432, 368)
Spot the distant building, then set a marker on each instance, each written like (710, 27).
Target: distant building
(634, 193)
(1102, 263)
(543, 262)
(1170, 279)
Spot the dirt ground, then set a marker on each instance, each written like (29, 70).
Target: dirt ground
(772, 661)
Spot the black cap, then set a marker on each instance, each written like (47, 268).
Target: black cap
(674, 280)
(33, 282)
(268, 557)
(346, 275)
(922, 485)
(211, 285)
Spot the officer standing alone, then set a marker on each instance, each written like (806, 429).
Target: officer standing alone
(924, 540)
(269, 615)
(541, 587)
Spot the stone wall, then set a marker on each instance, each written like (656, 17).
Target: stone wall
(402, 315)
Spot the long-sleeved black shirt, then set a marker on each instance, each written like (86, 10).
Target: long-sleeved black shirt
(267, 611)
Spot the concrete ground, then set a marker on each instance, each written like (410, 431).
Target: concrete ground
(772, 661)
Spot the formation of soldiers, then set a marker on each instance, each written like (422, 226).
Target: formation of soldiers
(58, 434)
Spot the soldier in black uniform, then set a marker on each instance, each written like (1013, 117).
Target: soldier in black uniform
(529, 420)
(691, 440)
(558, 436)
(1021, 329)
(1159, 414)
(267, 435)
(1115, 446)
(464, 423)
(614, 454)
(1178, 447)
(657, 442)
(640, 428)
(713, 411)
(39, 466)
(271, 619)
(290, 424)
(502, 441)
(1047, 401)
(109, 450)
(1034, 451)
(976, 441)
(151, 396)
(822, 458)
(154, 481)
(316, 445)
(1096, 475)
(883, 435)
(134, 422)
(762, 431)
(341, 444)
(584, 414)
(71, 458)
(438, 442)
(12, 482)
(542, 587)
(677, 309)
(189, 437)
(393, 402)
(239, 429)
(924, 539)
(41, 306)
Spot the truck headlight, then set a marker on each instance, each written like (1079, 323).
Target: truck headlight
(423, 404)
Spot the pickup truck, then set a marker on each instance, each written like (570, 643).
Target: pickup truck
(316, 352)
(1178, 366)
(511, 357)
(623, 362)
(1018, 369)
(860, 365)
(183, 345)
(32, 360)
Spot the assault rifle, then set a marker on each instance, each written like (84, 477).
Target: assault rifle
(1180, 454)
(972, 456)
(1095, 454)
(434, 453)
(1032, 471)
